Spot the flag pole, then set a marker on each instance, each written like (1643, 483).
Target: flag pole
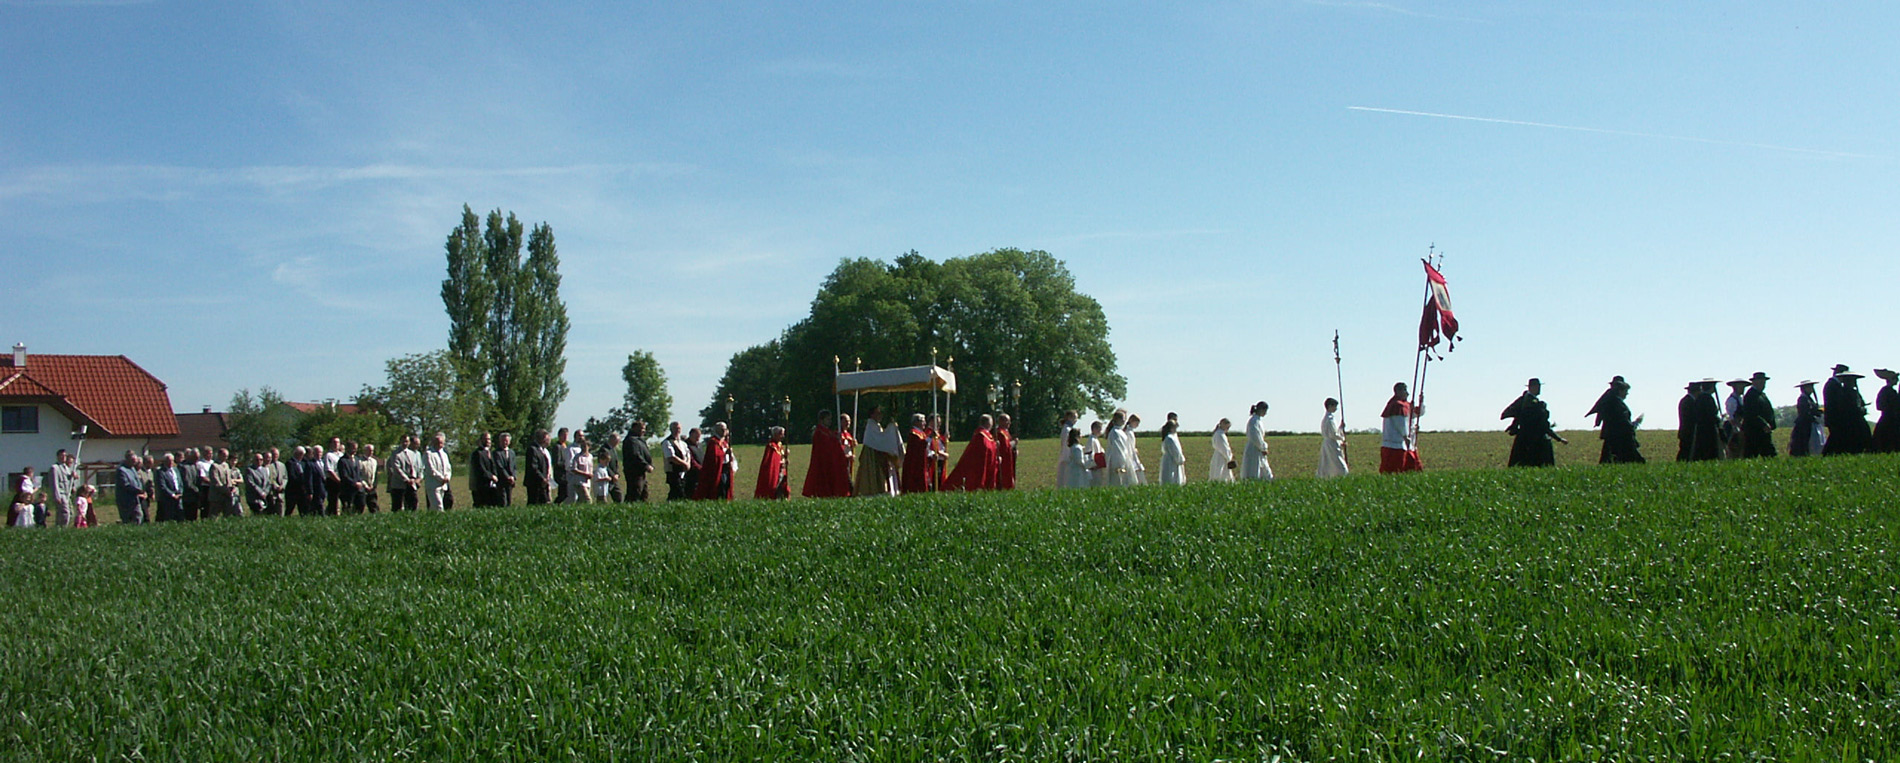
(1340, 376)
(1422, 362)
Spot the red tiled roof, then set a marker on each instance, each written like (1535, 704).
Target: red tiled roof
(108, 392)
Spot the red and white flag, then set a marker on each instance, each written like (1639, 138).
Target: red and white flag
(1437, 321)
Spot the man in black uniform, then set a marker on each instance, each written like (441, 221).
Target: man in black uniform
(1758, 419)
(1845, 412)
(1619, 431)
(1530, 426)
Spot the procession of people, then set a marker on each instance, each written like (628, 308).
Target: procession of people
(886, 458)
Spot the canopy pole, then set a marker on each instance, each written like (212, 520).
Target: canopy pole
(837, 400)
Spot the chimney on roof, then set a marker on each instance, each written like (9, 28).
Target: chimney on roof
(207, 409)
(19, 354)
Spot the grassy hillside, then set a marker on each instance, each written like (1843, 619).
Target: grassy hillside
(1726, 610)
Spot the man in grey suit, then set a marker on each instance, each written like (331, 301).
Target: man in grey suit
(63, 481)
(405, 474)
(130, 492)
(504, 494)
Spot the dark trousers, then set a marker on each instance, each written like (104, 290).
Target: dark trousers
(333, 503)
(367, 503)
(675, 486)
(402, 499)
(614, 494)
(293, 503)
(313, 503)
(537, 493)
(274, 504)
(637, 488)
(560, 489)
(130, 512)
(504, 494)
(193, 505)
(170, 509)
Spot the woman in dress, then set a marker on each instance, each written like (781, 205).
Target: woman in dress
(1220, 465)
(1332, 444)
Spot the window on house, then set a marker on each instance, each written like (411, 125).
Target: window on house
(20, 419)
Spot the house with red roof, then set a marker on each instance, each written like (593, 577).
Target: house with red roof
(97, 405)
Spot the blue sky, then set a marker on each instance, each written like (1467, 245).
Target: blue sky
(257, 193)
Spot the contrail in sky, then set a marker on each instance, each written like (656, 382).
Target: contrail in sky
(1604, 131)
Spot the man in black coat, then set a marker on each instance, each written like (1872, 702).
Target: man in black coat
(636, 461)
(1530, 428)
(504, 494)
(1758, 419)
(349, 478)
(482, 479)
(540, 466)
(1706, 423)
(1845, 412)
(1619, 430)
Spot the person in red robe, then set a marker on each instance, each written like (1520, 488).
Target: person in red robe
(829, 473)
(917, 462)
(1005, 453)
(773, 482)
(715, 470)
(976, 468)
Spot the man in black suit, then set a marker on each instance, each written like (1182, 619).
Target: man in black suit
(636, 461)
(540, 466)
(482, 479)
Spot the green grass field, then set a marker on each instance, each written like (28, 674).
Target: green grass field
(1741, 611)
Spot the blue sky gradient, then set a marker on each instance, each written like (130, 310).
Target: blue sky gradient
(248, 194)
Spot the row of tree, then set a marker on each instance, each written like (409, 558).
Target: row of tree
(1007, 317)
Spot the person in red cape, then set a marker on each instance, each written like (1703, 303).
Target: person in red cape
(1005, 453)
(1398, 447)
(773, 482)
(939, 451)
(917, 462)
(829, 473)
(715, 470)
(976, 468)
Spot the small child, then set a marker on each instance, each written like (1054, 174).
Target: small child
(82, 508)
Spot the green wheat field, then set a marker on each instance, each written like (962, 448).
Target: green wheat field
(1715, 611)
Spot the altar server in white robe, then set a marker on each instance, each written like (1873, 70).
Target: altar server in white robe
(1120, 445)
(1075, 464)
(1220, 466)
(1253, 465)
(1063, 429)
(1098, 454)
(1332, 444)
(1173, 461)
(1134, 451)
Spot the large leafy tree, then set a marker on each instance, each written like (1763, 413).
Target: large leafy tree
(1005, 316)
(259, 422)
(507, 323)
(423, 394)
(646, 399)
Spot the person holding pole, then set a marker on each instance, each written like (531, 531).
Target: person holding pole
(1332, 445)
(1398, 444)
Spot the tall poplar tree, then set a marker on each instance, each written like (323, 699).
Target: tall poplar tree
(507, 323)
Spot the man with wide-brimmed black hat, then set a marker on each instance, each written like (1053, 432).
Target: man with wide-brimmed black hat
(1530, 426)
(1806, 439)
(1887, 401)
(1846, 414)
(1619, 430)
(1757, 419)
